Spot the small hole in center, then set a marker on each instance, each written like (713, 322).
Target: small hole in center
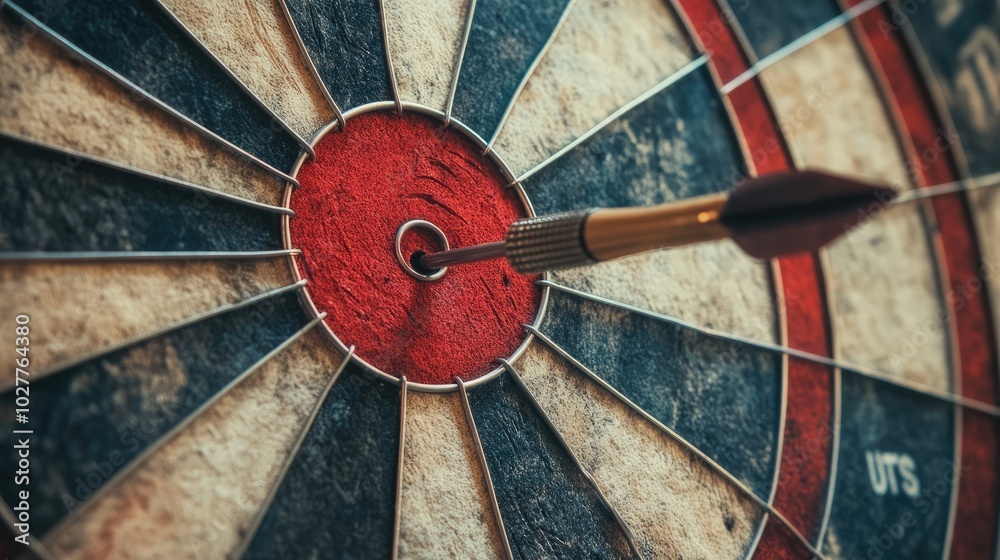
(418, 266)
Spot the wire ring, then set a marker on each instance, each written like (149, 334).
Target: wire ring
(405, 262)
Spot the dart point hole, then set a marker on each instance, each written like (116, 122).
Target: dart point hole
(411, 264)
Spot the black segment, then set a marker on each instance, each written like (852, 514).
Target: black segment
(137, 40)
(677, 144)
(505, 39)
(549, 509)
(895, 474)
(344, 40)
(733, 416)
(90, 421)
(338, 498)
(962, 43)
(52, 201)
(772, 24)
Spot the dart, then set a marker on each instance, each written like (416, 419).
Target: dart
(769, 216)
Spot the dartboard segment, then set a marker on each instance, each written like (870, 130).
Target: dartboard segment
(444, 502)
(257, 44)
(195, 496)
(340, 491)
(656, 484)
(504, 43)
(769, 26)
(605, 55)
(53, 99)
(135, 396)
(112, 307)
(549, 507)
(425, 41)
(56, 201)
(344, 39)
(146, 48)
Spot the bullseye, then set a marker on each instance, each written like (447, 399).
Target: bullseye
(359, 221)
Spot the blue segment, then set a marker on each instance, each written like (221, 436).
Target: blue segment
(549, 510)
(142, 44)
(344, 40)
(772, 24)
(338, 498)
(677, 144)
(961, 41)
(733, 415)
(505, 39)
(895, 473)
(50, 201)
(90, 421)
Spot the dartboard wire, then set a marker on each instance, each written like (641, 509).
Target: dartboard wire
(664, 84)
(240, 83)
(527, 75)
(933, 233)
(737, 483)
(626, 530)
(86, 58)
(470, 421)
(887, 378)
(458, 62)
(195, 319)
(800, 43)
(399, 467)
(388, 58)
(72, 155)
(119, 256)
(286, 466)
(823, 265)
(311, 65)
(777, 289)
(118, 478)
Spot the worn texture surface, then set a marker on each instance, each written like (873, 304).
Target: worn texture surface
(772, 24)
(445, 510)
(723, 397)
(199, 494)
(607, 53)
(344, 40)
(51, 98)
(886, 298)
(92, 420)
(139, 41)
(338, 499)
(424, 40)
(505, 39)
(255, 41)
(349, 211)
(549, 509)
(80, 308)
(48, 206)
(673, 502)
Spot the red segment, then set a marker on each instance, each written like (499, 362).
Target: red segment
(931, 163)
(808, 437)
(366, 182)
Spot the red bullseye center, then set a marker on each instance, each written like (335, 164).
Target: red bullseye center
(383, 171)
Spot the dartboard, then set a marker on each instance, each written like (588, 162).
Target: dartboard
(216, 343)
